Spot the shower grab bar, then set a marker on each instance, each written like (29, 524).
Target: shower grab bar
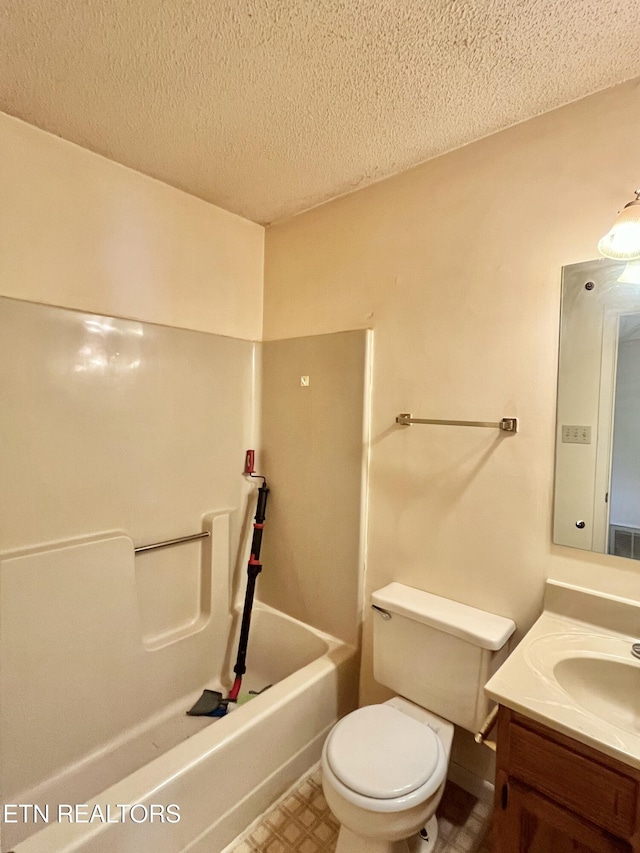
(506, 424)
(168, 542)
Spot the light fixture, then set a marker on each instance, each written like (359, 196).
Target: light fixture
(631, 273)
(622, 243)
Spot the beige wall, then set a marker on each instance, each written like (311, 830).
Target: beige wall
(456, 266)
(80, 231)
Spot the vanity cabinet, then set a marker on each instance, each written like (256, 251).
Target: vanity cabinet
(555, 795)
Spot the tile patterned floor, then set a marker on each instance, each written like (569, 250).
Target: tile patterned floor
(463, 823)
(302, 823)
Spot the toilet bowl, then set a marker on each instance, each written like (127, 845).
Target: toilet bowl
(384, 766)
(384, 769)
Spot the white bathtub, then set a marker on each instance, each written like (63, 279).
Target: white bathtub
(218, 775)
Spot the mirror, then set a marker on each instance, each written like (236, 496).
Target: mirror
(597, 488)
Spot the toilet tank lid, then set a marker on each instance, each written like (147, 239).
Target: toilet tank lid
(483, 629)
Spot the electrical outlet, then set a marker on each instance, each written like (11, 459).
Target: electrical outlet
(576, 434)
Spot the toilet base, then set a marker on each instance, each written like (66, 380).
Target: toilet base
(349, 842)
(425, 840)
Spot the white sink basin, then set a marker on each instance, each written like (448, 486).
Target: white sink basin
(574, 672)
(610, 689)
(595, 671)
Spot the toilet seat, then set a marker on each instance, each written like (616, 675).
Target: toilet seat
(380, 752)
(384, 760)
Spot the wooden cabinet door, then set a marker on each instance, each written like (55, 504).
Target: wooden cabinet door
(526, 822)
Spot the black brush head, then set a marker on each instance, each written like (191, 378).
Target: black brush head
(206, 704)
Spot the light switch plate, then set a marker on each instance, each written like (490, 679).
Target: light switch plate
(576, 434)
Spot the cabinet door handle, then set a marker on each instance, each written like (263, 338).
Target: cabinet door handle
(504, 796)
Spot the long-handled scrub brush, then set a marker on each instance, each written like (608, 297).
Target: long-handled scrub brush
(211, 703)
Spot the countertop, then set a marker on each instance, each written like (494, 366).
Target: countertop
(578, 623)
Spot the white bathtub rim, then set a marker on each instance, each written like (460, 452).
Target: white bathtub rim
(144, 786)
(186, 701)
(35, 794)
(147, 783)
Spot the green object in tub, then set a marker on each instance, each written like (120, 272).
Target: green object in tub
(243, 698)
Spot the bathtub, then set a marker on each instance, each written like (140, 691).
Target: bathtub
(180, 783)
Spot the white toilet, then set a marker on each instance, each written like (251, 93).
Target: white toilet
(384, 766)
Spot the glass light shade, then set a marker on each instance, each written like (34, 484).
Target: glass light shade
(622, 243)
(631, 273)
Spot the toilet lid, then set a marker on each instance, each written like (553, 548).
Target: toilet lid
(380, 752)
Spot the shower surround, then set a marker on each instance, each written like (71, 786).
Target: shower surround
(121, 434)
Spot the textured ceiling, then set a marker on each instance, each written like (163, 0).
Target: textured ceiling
(268, 107)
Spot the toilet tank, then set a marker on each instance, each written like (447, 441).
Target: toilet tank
(436, 652)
